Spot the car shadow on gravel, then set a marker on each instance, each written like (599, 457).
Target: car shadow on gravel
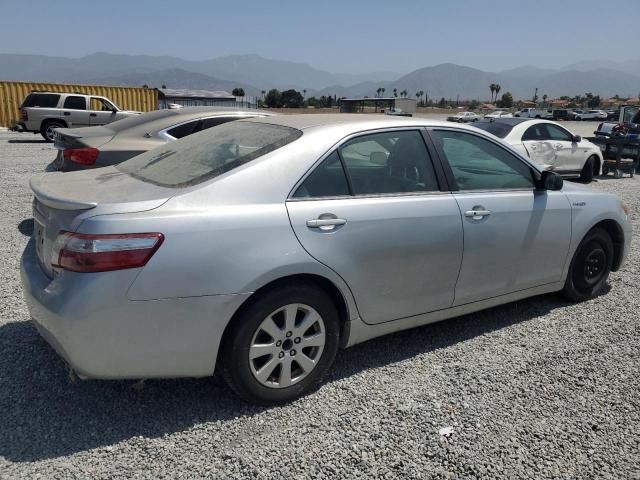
(26, 141)
(44, 414)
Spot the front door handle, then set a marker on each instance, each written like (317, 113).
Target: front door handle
(326, 222)
(92, 114)
(477, 213)
(67, 113)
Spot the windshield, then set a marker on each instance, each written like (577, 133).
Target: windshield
(207, 154)
(498, 129)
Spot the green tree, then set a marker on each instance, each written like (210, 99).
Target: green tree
(238, 92)
(498, 88)
(594, 102)
(474, 104)
(442, 103)
(507, 100)
(291, 98)
(403, 93)
(273, 99)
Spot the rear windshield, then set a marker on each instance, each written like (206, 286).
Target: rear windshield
(44, 100)
(498, 129)
(135, 120)
(205, 155)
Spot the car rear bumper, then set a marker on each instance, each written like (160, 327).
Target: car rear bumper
(117, 338)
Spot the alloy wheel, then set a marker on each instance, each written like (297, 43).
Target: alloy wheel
(287, 346)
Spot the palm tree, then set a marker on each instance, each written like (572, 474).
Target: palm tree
(383, 90)
(264, 92)
(395, 92)
(492, 87)
(304, 92)
(403, 93)
(544, 99)
(497, 88)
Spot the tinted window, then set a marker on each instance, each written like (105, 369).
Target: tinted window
(201, 157)
(327, 180)
(556, 133)
(535, 132)
(389, 162)
(184, 129)
(214, 121)
(44, 100)
(75, 103)
(479, 164)
(498, 129)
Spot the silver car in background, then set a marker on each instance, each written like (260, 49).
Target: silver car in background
(261, 247)
(93, 147)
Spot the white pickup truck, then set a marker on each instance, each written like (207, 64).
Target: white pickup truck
(628, 124)
(43, 112)
(534, 113)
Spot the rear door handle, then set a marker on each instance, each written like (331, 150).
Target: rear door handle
(92, 114)
(67, 113)
(325, 222)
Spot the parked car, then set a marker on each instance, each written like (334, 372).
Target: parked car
(550, 145)
(533, 113)
(575, 113)
(560, 114)
(43, 112)
(464, 117)
(626, 123)
(591, 115)
(498, 114)
(263, 247)
(92, 147)
(397, 112)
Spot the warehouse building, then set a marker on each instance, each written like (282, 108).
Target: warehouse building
(377, 104)
(169, 97)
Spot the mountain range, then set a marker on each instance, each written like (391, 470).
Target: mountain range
(255, 73)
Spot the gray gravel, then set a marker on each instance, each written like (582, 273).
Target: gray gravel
(536, 389)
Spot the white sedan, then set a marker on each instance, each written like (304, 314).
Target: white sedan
(498, 114)
(591, 115)
(464, 117)
(548, 144)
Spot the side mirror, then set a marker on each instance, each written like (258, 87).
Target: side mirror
(114, 110)
(551, 181)
(576, 139)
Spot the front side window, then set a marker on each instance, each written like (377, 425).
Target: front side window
(101, 105)
(202, 156)
(557, 133)
(479, 164)
(75, 103)
(388, 162)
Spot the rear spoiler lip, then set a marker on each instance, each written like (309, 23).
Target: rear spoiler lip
(57, 202)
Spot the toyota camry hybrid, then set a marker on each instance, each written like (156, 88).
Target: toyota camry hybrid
(261, 247)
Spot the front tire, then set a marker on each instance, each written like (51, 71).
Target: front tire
(590, 266)
(282, 345)
(586, 176)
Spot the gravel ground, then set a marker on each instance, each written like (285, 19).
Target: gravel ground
(535, 389)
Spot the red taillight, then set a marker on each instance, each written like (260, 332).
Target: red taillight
(24, 115)
(83, 156)
(85, 253)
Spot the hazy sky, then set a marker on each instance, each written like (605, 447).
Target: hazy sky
(340, 36)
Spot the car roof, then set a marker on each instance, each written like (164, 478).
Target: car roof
(302, 121)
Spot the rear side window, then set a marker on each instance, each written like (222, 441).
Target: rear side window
(499, 129)
(327, 180)
(479, 164)
(203, 156)
(75, 103)
(535, 133)
(43, 100)
(184, 129)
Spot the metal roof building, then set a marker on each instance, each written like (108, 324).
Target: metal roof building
(202, 98)
(361, 105)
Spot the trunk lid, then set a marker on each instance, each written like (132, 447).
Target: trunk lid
(63, 200)
(82, 137)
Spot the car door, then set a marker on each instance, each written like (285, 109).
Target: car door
(373, 211)
(74, 111)
(101, 111)
(570, 158)
(515, 237)
(538, 146)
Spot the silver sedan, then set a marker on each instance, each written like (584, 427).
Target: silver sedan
(261, 247)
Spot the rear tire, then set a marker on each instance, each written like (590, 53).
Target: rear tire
(292, 369)
(586, 176)
(46, 130)
(590, 266)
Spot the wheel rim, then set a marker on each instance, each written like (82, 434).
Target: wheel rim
(594, 266)
(287, 346)
(49, 131)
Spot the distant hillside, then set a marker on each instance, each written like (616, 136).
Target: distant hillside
(255, 73)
